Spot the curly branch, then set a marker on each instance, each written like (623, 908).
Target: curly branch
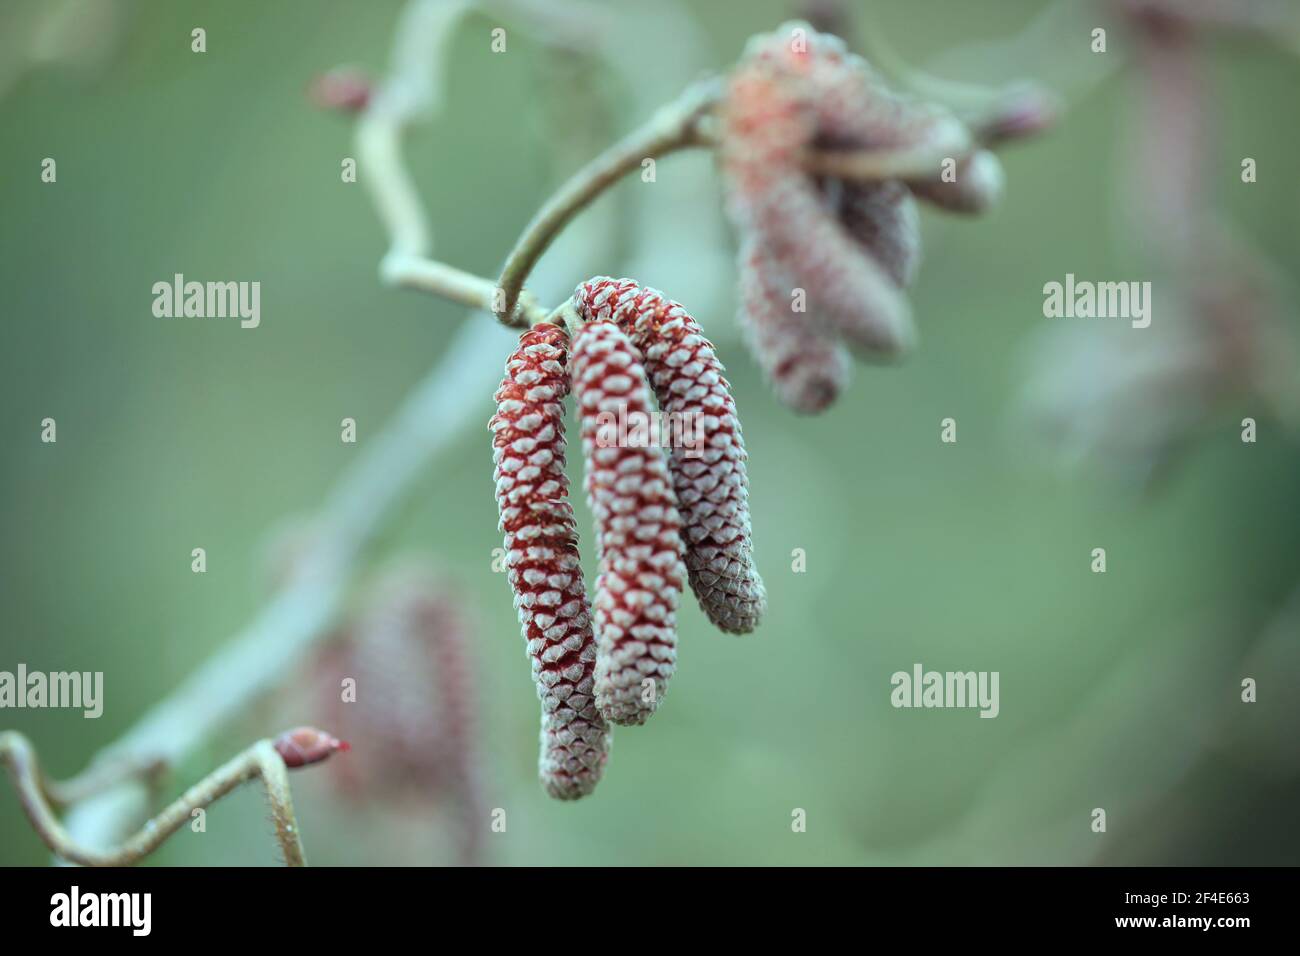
(37, 795)
(676, 126)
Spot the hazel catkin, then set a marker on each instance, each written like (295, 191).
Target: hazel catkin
(541, 546)
(638, 527)
(707, 457)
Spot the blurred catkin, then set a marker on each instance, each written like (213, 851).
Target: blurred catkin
(823, 260)
(399, 686)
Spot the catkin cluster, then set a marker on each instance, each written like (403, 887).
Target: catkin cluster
(665, 478)
(824, 262)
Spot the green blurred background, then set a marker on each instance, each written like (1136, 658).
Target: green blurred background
(1118, 691)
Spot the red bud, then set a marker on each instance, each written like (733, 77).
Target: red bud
(307, 745)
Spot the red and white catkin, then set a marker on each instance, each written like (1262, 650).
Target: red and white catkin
(638, 528)
(541, 545)
(707, 459)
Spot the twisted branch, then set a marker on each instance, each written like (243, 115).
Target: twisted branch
(37, 795)
(676, 126)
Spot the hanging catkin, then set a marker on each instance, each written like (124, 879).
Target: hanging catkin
(541, 545)
(707, 450)
(637, 526)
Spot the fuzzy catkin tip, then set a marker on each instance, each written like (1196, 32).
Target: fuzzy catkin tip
(544, 568)
(637, 527)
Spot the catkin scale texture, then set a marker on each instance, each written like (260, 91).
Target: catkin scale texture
(542, 561)
(630, 493)
(707, 457)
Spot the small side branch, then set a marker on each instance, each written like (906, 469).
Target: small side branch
(952, 140)
(410, 93)
(676, 126)
(261, 760)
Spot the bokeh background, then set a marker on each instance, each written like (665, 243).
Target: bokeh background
(1118, 690)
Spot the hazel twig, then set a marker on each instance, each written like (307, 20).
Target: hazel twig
(676, 126)
(100, 777)
(261, 760)
(953, 141)
(411, 93)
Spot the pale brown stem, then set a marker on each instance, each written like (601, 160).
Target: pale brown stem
(260, 760)
(690, 122)
(676, 126)
(920, 162)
